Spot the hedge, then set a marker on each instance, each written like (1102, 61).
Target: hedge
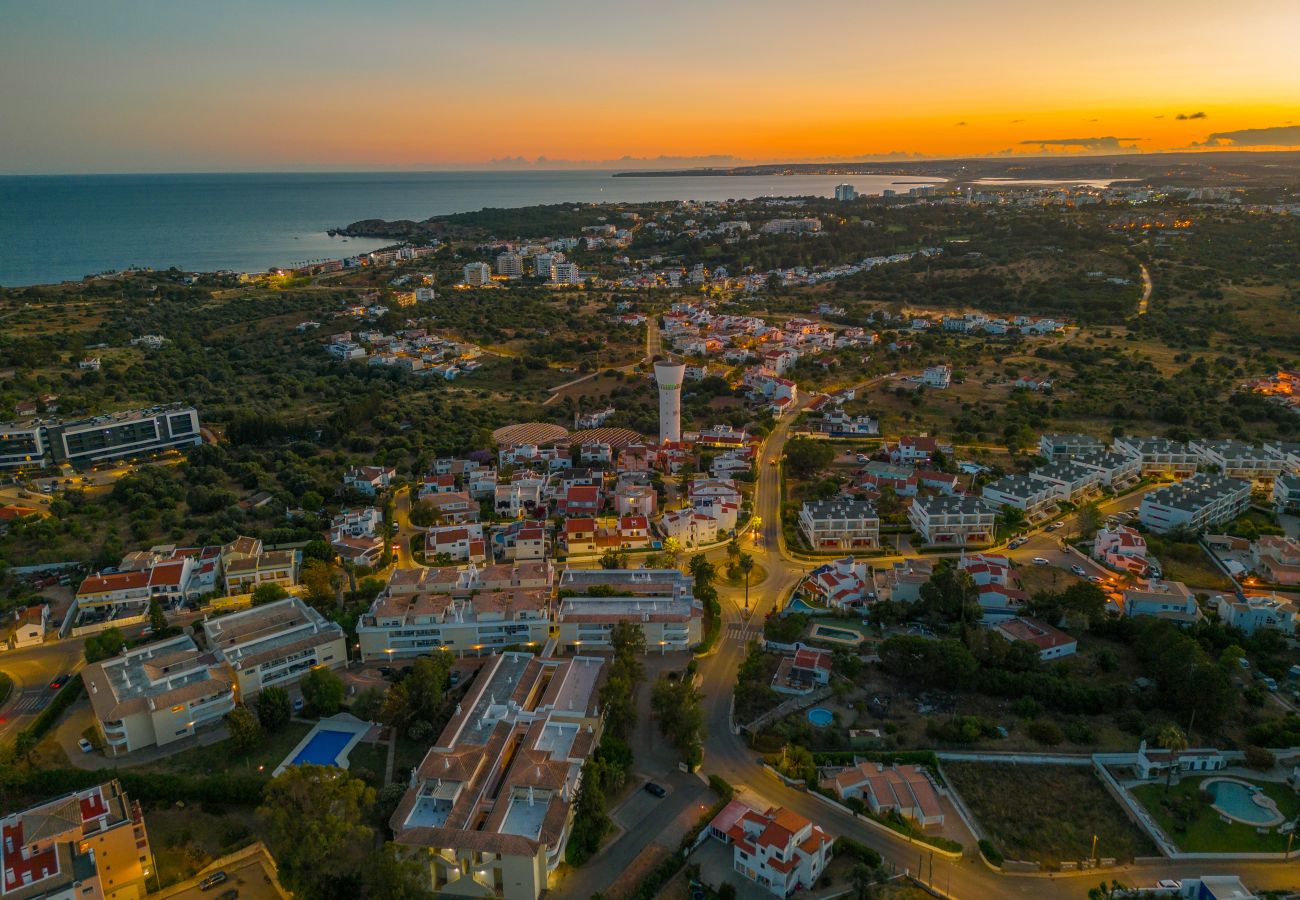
(66, 696)
(991, 853)
(722, 788)
(845, 846)
(151, 787)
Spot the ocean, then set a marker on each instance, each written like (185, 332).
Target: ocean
(59, 228)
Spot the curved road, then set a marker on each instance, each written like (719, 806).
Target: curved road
(728, 754)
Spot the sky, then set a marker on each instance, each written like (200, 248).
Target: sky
(284, 85)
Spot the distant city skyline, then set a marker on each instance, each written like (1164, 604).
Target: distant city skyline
(145, 86)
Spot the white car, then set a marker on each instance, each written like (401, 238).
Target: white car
(1078, 570)
(1041, 561)
(85, 745)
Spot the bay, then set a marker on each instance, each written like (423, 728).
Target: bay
(63, 227)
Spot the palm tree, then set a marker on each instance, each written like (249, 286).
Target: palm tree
(733, 549)
(702, 571)
(1171, 738)
(746, 565)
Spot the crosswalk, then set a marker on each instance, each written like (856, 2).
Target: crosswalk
(30, 702)
(744, 631)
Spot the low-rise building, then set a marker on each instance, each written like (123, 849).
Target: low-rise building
(952, 521)
(903, 789)
(1151, 764)
(276, 644)
(1286, 494)
(403, 623)
(89, 844)
(1072, 481)
(803, 672)
(779, 850)
(1276, 559)
(1162, 600)
(459, 543)
(1159, 456)
(1255, 612)
(841, 583)
(1034, 497)
(661, 601)
(489, 810)
(369, 480)
(1121, 548)
(1064, 446)
(840, 524)
(245, 574)
(28, 627)
(1237, 459)
(938, 377)
(1194, 504)
(1052, 643)
(157, 694)
(1116, 470)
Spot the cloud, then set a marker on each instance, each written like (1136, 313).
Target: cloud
(961, 123)
(1103, 144)
(1159, 117)
(1093, 120)
(1277, 136)
(1183, 117)
(1016, 121)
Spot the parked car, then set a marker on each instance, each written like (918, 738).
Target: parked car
(1055, 525)
(1078, 570)
(655, 789)
(1096, 579)
(213, 880)
(298, 704)
(85, 745)
(454, 678)
(1041, 561)
(228, 895)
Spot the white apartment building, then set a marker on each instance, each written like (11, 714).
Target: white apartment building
(489, 810)
(937, 377)
(1159, 456)
(477, 274)
(402, 623)
(779, 850)
(1237, 459)
(1034, 497)
(158, 694)
(840, 524)
(1266, 611)
(1054, 446)
(1194, 504)
(1286, 494)
(661, 601)
(565, 273)
(275, 645)
(510, 264)
(1072, 481)
(952, 521)
(1116, 469)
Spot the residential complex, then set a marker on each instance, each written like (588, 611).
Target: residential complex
(274, 645)
(158, 693)
(952, 521)
(489, 810)
(592, 601)
(88, 845)
(1159, 456)
(840, 525)
(82, 442)
(1194, 504)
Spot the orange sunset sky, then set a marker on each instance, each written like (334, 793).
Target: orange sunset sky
(136, 85)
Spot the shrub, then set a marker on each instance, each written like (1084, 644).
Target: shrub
(845, 846)
(1045, 732)
(1259, 759)
(991, 853)
(721, 787)
(1080, 733)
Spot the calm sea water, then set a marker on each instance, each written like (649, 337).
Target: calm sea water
(56, 228)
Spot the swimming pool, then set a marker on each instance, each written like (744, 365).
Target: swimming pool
(323, 749)
(1243, 802)
(820, 716)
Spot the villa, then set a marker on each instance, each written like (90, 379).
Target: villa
(1121, 548)
(369, 480)
(803, 672)
(1276, 559)
(779, 850)
(1155, 763)
(1162, 600)
(905, 789)
(840, 584)
(1258, 611)
(1052, 643)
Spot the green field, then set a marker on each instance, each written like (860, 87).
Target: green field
(1046, 814)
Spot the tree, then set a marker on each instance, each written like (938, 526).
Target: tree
(24, 743)
(864, 879)
(273, 708)
(245, 732)
(1089, 519)
(703, 571)
(319, 550)
(805, 456)
(1011, 518)
(157, 618)
(367, 704)
(426, 685)
(746, 566)
(672, 549)
(107, 643)
(1171, 738)
(322, 692)
(614, 559)
(389, 874)
(268, 593)
(318, 581)
(733, 549)
(681, 718)
(314, 821)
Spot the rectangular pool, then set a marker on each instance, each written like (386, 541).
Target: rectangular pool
(323, 749)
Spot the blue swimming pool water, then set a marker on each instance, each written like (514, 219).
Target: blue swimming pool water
(323, 748)
(1235, 800)
(820, 716)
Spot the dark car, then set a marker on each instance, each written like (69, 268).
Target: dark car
(657, 790)
(60, 681)
(213, 880)
(228, 895)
